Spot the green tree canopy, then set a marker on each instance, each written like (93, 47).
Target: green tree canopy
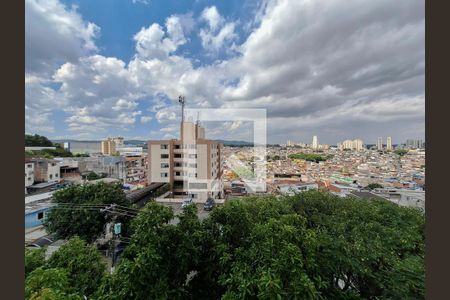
(34, 258)
(374, 186)
(83, 264)
(49, 284)
(37, 141)
(401, 152)
(310, 157)
(312, 245)
(93, 176)
(77, 210)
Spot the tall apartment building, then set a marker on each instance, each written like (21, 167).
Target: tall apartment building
(415, 144)
(192, 165)
(380, 143)
(118, 140)
(356, 144)
(108, 146)
(389, 143)
(315, 142)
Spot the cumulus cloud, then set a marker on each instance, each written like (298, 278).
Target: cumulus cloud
(219, 33)
(163, 116)
(317, 69)
(308, 60)
(146, 119)
(154, 42)
(55, 34)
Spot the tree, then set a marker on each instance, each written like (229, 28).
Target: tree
(78, 210)
(313, 245)
(401, 152)
(83, 264)
(310, 157)
(34, 258)
(374, 186)
(49, 284)
(160, 253)
(92, 176)
(37, 141)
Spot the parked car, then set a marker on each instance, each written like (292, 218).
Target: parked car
(186, 202)
(209, 204)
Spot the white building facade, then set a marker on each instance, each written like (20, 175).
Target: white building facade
(29, 174)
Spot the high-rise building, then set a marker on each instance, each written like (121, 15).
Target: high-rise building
(389, 143)
(289, 143)
(192, 165)
(315, 142)
(380, 143)
(415, 144)
(108, 147)
(118, 140)
(356, 144)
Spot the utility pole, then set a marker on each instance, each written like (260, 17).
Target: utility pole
(112, 240)
(181, 99)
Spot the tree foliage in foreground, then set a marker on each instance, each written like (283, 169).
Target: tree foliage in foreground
(312, 245)
(79, 211)
(83, 264)
(72, 272)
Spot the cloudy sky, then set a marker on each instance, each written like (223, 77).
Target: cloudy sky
(335, 69)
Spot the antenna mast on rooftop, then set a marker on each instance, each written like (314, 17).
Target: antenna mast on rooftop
(198, 118)
(181, 100)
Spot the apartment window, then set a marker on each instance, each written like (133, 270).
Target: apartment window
(192, 155)
(164, 165)
(29, 166)
(51, 176)
(164, 155)
(164, 175)
(177, 174)
(177, 147)
(40, 215)
(29, 178)
(164, 146)
(192, 165)
(177, 155)
(56, 175)
(53, 164)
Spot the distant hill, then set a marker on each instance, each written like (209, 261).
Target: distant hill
(234, 143)
(71, 140)
(134, 142)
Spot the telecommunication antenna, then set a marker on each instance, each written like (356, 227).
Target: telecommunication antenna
(181, 99)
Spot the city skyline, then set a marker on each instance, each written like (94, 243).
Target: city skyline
(98, 69)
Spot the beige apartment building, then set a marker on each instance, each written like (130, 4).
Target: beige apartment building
(192, 165)
(108, 146)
